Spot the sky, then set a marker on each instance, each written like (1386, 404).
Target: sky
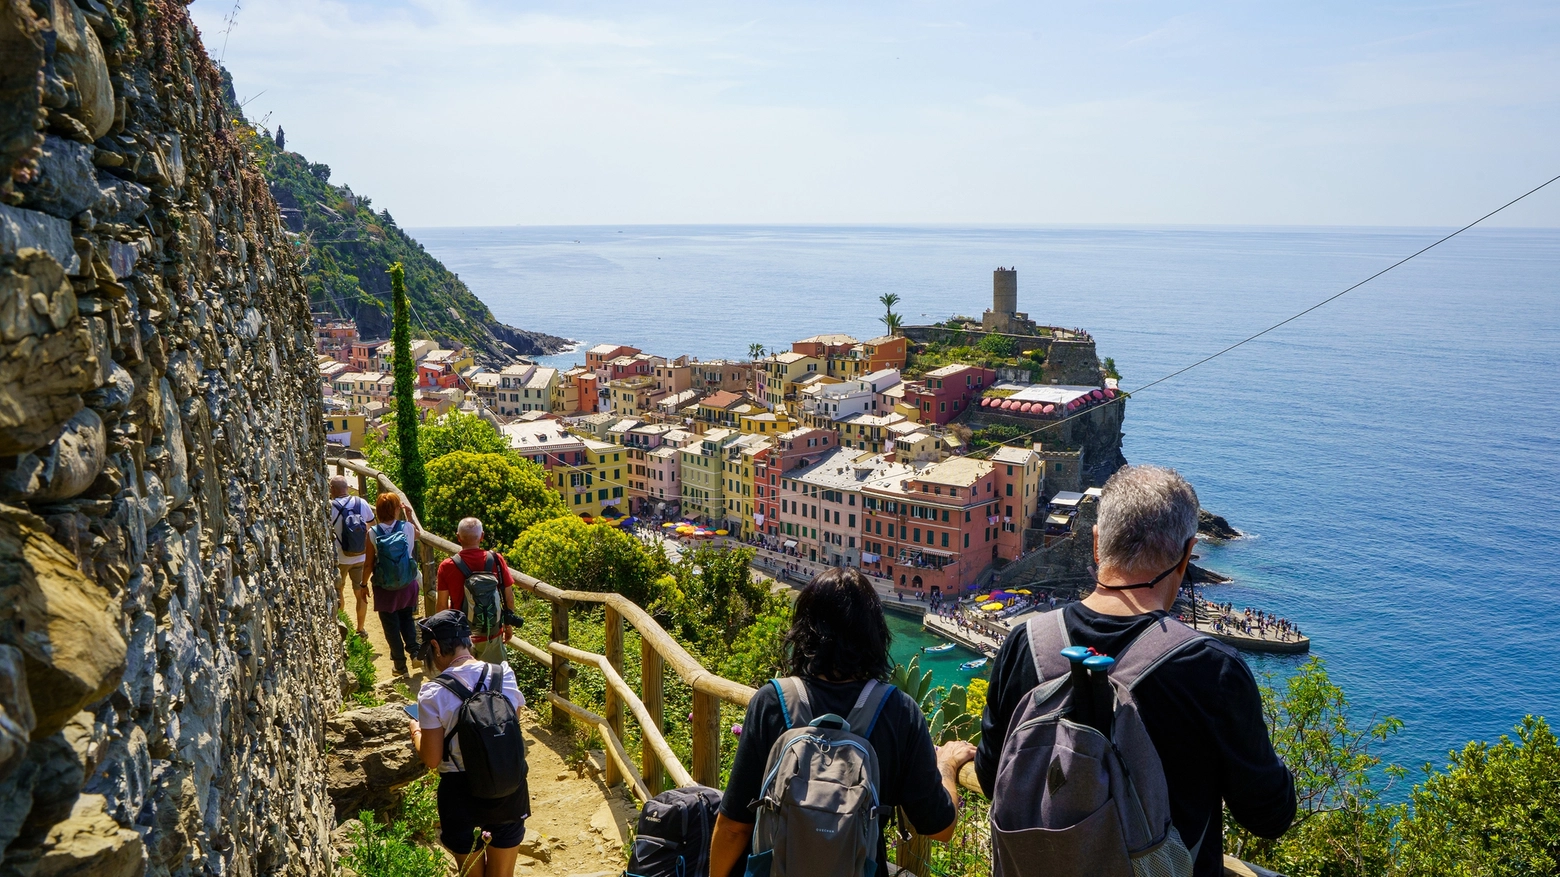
(1203, 112)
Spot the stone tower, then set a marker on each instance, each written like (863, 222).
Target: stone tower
(1004, 315)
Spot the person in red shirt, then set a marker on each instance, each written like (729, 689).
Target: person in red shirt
(452, 583)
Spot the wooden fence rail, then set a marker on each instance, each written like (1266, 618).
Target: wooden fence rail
(657, 650)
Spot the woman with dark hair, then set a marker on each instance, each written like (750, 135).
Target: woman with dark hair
(446, 648)
(839, 641)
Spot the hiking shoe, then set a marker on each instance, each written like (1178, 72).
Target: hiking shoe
(400, 670)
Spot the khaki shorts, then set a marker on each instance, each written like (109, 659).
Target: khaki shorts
(353, 574)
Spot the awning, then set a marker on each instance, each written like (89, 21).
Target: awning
(790, 543)
(1059, 520)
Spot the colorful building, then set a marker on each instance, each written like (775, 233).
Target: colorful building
(943, 394)
(576, 392)
(1019, 477)
(778, 375)
(703, 476)
(765, 423)
(932, 529)
(867, 432)
(344, 429)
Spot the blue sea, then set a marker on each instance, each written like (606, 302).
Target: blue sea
(1393, 456)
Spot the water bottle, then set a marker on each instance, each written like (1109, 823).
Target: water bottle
(1082, 699)
(1103, 708)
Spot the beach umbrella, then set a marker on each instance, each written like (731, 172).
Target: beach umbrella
(720, 532)
(985, 402)
(1097, 394)
(991, 607)
(668, 525)
(1024, 591)
(1049, 409)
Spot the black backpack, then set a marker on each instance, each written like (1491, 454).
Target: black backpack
(673, 839)
(492, 748)
(483, 598)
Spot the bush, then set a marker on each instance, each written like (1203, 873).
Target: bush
(508, 496)
(436, 438)
(568, 553)
(388, 851)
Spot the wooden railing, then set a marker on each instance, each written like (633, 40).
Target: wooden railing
(657, 650)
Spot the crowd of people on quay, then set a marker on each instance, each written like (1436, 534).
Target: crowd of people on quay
(1248, 621)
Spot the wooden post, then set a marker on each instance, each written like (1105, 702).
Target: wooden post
(614, 716)
(430, 573)
(706, 739)
(363, 489)
(560, 667)
(913, 855)
(650, 691)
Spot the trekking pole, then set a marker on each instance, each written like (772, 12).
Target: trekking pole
(1081, 699)
(1104, 700)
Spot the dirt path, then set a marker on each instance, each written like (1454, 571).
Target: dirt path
(578, 826)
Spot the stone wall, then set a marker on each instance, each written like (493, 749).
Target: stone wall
(168, 654)
(1067, 361)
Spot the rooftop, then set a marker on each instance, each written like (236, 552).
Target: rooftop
(540, 435)
(1010, 454)
(829, 339)
(721, 399)
(956, 471)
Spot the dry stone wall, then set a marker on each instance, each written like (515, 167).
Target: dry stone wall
(168, 655)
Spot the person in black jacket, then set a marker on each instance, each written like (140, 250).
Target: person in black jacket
(1201, 708)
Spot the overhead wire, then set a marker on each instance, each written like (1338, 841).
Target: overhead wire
(1250, 338)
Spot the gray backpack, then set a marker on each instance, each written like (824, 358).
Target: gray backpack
(1068, 802)
(818, 808)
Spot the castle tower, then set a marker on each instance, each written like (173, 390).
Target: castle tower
(1004, 291)
(1004, 315)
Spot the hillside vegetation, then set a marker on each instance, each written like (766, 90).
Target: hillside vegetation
(344, 248)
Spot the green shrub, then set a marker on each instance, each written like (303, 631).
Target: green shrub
(360, 663)
(388, 851)
(419, 810)
(508, 495)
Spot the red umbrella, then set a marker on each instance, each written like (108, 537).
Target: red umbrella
(1028, 407)
(1097, 394)
(1049, 409)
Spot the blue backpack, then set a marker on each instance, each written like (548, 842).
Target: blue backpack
(394, 565)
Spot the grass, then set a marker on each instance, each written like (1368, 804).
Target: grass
(360, 663)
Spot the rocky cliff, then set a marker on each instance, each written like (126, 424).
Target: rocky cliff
(167, 649)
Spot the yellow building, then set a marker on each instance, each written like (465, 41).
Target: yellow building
(633, 396)
(780, 374)
(766, 423)
(595, 486)
(345, 430)
(740, 472)
(703, 476)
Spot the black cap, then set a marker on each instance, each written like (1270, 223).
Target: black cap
(451, 624)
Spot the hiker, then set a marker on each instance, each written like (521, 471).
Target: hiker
(350, 518)
(476, 746)
(390, 568)
(837, 654)
(478, 583)
(1199, 705)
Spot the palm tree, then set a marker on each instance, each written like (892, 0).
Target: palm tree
(889, 318)
(755, 351)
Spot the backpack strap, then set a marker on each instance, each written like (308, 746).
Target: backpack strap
(490, 562)
(465, 570)
(794, 707)
(869, 705)
(1159, 642)
(1047, 637)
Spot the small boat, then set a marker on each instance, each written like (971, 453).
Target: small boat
(973, 665)
(942, 648)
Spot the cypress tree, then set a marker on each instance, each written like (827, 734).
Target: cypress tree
(413, 480)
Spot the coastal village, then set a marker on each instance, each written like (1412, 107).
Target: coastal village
(943, 460)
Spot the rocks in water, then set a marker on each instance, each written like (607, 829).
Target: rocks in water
(1197, 575)
(371, 759)
(1214, 527)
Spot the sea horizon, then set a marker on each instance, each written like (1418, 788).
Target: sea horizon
(1392, 519)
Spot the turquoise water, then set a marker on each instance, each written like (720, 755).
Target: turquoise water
(910, 638)
(1394, 454)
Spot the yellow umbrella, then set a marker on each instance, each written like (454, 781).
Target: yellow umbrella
(668, 525)
(992, 607)
(720, 532)
(1022, 591)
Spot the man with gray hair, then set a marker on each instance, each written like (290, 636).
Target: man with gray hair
(1200, 707)
(477, 582)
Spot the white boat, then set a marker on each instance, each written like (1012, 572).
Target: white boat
(942, 648)
(973, 665)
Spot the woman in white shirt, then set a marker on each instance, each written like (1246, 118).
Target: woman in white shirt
(446, 647)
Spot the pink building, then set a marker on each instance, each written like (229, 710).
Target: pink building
(944, 393)
(786, 516)
(933, 529)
